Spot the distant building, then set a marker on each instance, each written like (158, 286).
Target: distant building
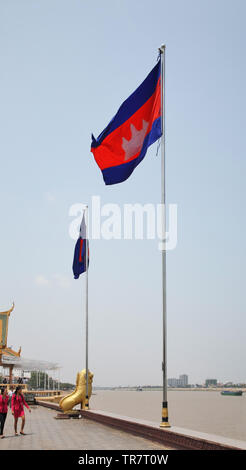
(211, 382)
(181, 382)
(183, 379)
(172, 383)
(228, 384)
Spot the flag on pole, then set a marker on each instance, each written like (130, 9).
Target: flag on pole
(122, 145)
(79, 259)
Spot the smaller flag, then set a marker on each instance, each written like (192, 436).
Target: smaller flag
(79, 259)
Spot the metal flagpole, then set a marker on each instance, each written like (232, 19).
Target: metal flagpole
(86, 310)
(164, 422)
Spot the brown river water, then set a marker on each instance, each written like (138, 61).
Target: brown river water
(205, 411)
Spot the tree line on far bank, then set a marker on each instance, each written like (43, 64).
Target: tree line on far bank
(41, 380)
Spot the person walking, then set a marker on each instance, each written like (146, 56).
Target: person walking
(11, 391)
(3, 410)
(17, 405)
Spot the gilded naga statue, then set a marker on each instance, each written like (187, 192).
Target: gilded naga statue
(78, 396)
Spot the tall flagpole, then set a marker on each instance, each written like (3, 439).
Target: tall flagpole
(164, 421)
(86, 308)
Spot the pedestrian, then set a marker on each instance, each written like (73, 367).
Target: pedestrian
(5, 380)
(11, 391)
(18, 402)
(3, 409)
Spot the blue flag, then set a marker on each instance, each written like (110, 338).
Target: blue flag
(82, 244)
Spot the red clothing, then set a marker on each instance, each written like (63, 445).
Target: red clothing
(4, 404)
(17, 405)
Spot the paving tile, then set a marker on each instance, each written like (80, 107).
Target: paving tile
(43, 432)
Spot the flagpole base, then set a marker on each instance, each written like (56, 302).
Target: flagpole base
(165, 425)
(87, 403)
(164, 422)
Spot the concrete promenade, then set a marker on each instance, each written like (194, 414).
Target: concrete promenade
(43, 432)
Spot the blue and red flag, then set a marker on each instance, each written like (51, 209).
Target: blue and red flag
(79, 259)
(122, 145)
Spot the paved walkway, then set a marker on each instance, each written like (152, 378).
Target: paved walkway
(43, 432)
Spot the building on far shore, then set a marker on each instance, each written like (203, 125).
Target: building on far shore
(181, 382)
(211, 383)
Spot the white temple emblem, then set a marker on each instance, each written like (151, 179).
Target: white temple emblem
(134, 145)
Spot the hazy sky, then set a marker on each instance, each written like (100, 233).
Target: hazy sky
(66, 66)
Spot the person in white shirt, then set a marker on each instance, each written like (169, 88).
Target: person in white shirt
(11, 391)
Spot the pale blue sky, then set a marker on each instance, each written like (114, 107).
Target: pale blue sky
(66, 66)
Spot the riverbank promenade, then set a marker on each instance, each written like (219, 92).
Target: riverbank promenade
(43, 432)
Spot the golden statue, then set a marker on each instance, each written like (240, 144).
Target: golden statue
(79, 394)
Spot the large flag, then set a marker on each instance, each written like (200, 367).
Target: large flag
(122, 145)
(79, 259)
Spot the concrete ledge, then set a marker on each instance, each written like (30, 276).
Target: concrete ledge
(48, 404)
(174, 437)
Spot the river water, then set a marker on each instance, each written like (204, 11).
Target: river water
(205, 411)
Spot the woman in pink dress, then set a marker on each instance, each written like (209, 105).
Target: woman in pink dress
(17, 406)
(4, 398)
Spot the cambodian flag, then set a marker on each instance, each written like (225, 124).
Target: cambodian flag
(137, 124)
(79, 259)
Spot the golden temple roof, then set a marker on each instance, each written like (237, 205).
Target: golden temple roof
(4, 320)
